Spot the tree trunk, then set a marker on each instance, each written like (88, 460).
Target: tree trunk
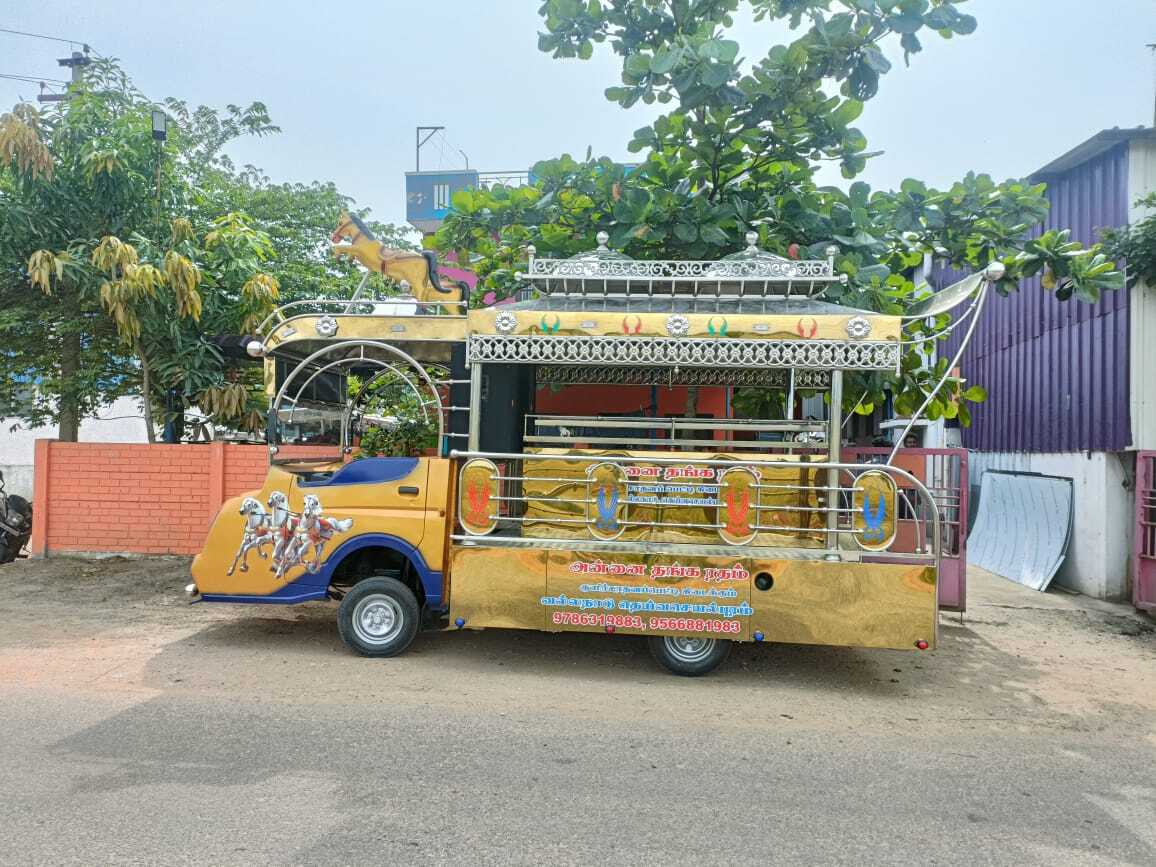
(146, 393)
(69, 431)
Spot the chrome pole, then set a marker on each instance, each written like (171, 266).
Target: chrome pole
(475, 405)
(834, 455)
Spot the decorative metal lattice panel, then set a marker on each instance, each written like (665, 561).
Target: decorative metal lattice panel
(765, 377)
(627, 269)
(683, 352)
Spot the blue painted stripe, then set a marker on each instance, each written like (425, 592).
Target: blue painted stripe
(272, 599)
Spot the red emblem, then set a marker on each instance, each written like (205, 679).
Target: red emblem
(479, 497)
(807, 326)
(626, 325)
(738, 514)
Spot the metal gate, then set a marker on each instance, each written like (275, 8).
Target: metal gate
(944, 473)
(1144, 542)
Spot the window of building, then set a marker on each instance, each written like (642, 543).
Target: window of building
(441, 197)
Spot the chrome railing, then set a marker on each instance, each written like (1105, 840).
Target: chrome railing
(675, 432)
(799, 512)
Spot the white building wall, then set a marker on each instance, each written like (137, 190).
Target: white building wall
(1098, 553)
(120, 422)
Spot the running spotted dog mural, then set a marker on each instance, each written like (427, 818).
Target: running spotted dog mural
(294, 536)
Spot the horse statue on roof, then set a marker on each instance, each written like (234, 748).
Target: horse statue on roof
(418, 270)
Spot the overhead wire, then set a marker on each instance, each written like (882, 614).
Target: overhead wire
(49, 38)
(449, 144)
(33, 79)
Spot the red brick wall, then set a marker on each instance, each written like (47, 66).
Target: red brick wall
(136, 499)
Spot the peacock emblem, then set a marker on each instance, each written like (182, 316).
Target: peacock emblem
(607, 509)
(873, 519)
(807, 327)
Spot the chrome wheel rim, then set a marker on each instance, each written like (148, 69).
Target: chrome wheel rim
(377, 619)
(688, 648)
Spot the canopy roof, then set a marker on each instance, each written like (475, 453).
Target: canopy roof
(749, 272)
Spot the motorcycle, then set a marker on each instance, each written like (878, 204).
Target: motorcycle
(15, 524)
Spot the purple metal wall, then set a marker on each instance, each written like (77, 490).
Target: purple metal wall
(1056, 371)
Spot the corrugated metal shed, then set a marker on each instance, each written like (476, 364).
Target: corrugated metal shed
(1057, 372)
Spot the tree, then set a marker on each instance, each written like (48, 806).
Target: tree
(1136, 244)
(121, 258)
(740, 149)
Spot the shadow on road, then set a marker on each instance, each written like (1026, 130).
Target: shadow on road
(306, 641)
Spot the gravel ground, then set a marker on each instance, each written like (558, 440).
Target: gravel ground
(135, 728)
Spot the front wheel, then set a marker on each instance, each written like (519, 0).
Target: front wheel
(689, 655)
(378, 617)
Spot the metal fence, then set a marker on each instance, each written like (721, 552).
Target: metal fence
(1144, 540)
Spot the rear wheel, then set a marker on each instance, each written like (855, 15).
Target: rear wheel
(689, 655)
(378, 617)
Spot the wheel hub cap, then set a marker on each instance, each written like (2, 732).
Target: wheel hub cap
(688, 648)
(377, 619)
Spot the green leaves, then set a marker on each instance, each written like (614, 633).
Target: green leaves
(873, 57)
(1136, 244)
(905, 22)
(722, 50)
(665, 60)
(206, 253)
(1066, 267)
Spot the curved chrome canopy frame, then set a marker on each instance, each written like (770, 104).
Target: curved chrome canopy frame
(975, 286)
(353, 352)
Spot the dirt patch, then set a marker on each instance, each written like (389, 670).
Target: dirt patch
(1029, 662)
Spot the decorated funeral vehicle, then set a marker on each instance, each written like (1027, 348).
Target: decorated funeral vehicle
(584, 469)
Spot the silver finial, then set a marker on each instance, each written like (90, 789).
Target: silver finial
(832, 251)
(532, 251)
(602, 238)
(995, 271)
(255, 348)
(752, 242)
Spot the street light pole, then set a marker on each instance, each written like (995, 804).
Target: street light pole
(160, 136)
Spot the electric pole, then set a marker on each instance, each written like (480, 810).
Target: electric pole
(430, 132)
(76, 63)
(1152, 48)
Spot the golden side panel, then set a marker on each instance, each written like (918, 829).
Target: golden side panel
(497, 587)
(563, 503)
(389, 328)
(850, 604)
(648, 594)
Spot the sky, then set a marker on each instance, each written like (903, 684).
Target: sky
(349, 82)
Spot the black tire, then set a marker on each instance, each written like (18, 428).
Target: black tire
(25, 508)
(378, 617)
(10, 547)
(689, 655)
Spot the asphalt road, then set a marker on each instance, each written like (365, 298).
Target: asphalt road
(141, 731)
